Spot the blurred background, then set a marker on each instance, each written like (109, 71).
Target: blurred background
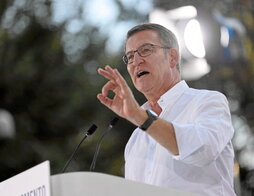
(49, 54)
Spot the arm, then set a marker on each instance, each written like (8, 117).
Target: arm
(208, 133)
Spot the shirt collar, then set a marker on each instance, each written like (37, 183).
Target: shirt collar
(171, 96)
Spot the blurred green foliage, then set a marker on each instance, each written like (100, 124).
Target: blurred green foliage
(49, 83)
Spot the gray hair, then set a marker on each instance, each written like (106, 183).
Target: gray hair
(167, 37)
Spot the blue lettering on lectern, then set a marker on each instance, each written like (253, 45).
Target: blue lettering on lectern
(40, 191)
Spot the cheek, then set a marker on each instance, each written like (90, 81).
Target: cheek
(130, 71)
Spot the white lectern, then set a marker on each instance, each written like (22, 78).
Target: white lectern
(97, 184)
(36, 181)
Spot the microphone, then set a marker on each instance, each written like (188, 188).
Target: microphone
(90, 131)
(111, 125)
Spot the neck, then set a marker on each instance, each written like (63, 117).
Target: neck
(156, 108)
(153, 97)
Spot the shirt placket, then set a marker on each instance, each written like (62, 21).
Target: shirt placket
(150, 160)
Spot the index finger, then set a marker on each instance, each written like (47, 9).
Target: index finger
(120, 80)
(105, 73)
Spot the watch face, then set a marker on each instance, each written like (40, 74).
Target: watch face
(153, 113)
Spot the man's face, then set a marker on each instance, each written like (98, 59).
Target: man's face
(152, 74)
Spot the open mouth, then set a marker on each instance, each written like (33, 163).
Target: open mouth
(142, 73)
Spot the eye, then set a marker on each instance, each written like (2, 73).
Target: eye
(146, 50)
(130, 56)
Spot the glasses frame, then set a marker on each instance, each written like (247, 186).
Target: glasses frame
(125, 59)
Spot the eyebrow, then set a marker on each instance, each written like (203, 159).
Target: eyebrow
(139, 47)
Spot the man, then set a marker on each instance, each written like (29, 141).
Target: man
(183, 139)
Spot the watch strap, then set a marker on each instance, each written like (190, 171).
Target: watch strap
(151, 117)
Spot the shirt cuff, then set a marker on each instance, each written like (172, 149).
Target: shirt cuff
(189, 143)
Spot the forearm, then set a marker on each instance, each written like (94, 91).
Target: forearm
(160, 130)
(164, 133)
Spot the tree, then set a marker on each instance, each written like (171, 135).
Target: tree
(48, 82)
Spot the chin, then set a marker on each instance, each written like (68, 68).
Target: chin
(144, 89)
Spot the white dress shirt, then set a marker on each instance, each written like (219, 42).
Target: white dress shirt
(203, 129)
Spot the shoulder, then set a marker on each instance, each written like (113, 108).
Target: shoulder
(205, 94)
(206, 98)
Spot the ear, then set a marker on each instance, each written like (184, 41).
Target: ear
(174, 57)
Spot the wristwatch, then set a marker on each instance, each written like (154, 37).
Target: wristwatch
(152, 116)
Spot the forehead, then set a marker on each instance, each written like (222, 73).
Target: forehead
(140, 38)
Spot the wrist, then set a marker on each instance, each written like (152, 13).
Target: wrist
(140, 117)
(152, 116)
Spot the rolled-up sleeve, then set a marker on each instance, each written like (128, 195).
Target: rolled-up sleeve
(204, 138)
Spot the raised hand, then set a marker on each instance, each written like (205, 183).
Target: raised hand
(123, 103)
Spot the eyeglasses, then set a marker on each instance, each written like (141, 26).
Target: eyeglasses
(143, 51)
